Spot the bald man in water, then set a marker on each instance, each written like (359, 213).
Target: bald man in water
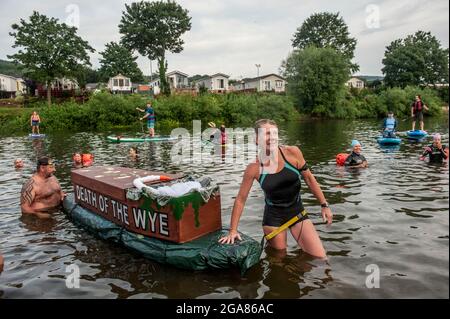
(42, 192)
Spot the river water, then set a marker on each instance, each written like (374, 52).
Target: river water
(391, 219)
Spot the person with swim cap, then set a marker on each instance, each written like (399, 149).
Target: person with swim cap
(389, 125)
(417, 108)
(279, 171)
(42, 192)
(151, 118)
(436, 152)
(356, 159)
(35, 120)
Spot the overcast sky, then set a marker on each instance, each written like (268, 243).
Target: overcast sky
(231, 36)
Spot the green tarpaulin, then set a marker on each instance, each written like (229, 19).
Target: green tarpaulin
(199, 254)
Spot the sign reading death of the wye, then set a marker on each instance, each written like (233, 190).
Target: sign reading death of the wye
(143, 220)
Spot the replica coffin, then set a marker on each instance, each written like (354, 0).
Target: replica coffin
(103, 189)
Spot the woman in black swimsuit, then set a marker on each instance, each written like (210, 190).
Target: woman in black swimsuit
(279, 171)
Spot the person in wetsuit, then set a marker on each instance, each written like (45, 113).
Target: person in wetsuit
(356, 159)
(436, 151)
(389, 125)
(151, 118)
(279, 171)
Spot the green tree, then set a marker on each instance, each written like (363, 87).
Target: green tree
(118, 59)
(316, 78)
(85, 75)
(418, 59)
(48, 49)
(152, 28)
(326, 30)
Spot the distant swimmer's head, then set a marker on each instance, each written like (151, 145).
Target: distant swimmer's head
(133, 151)
(77, 158)
(18, 163)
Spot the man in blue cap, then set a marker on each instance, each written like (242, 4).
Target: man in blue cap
(356, 159)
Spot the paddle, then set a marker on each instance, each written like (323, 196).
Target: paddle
(142, 125)
(408, 118)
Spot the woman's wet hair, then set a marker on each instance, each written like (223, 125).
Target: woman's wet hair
(262, 122)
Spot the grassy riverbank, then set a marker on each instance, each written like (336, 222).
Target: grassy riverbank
(104, 111)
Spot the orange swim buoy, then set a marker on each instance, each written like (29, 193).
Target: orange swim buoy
(164, 178)
(340, 158)
(87, 159)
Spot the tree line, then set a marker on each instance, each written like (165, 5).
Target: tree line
(316, 71)
(48, 49)
(321, 63)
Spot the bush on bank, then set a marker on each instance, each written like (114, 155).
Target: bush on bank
(105, 111)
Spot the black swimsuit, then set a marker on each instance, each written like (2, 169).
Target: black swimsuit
(436, 155)
(282, 192)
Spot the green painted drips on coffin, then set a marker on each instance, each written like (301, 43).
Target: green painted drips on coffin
(178, 206)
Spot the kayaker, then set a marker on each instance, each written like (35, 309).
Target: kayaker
(35, 120)
(389, 125)
(42, 192)
(356, 159)
(279, 169)
(417, 108)
(151, 118)
(436, 152)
